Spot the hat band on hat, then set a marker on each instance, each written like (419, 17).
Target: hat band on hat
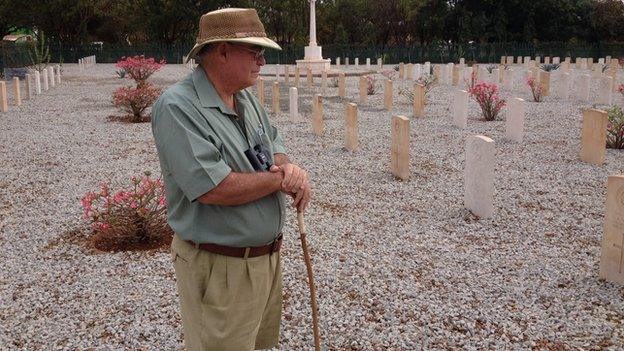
(232, 36)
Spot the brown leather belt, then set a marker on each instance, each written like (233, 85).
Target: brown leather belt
(242, 252)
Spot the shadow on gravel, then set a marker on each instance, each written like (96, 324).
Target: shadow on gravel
(129, 119)
(99, 242)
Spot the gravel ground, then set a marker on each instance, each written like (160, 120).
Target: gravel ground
(398, 265)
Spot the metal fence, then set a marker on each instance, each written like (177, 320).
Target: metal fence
(14, 55)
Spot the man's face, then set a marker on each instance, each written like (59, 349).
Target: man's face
(245, 63)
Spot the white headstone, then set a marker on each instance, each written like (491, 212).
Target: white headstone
(508, 79)
(357, 62)
(427, 69)
(58, 74)
(337, 61)
(479, 176)
(460, 109)
(417, 71)
(44, 73)
(294, 104)
(496, 76)
(37, 82)
(514, 123)
(565, 86)
(583, 87)
(51, 73)
(605, 90)
(368, 64)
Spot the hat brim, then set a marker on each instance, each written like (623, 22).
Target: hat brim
(264, 42)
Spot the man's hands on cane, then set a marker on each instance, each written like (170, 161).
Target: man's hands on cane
(296, 184)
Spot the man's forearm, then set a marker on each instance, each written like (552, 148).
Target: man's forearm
(241, 188)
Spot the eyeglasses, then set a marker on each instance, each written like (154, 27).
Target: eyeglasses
(258, 54)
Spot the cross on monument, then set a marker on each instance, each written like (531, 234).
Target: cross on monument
(313, 54)
(621, 247)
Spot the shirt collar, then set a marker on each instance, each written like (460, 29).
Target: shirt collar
(208, 95)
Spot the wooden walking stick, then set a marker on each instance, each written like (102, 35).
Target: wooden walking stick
(306, 257)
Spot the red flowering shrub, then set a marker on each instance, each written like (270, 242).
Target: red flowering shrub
(140, 68)
(134, 217)
(370, 85)
(488, 99)
(621, 89)
(536, 89)
(136, 100)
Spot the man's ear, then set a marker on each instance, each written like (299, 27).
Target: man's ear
(222, 50)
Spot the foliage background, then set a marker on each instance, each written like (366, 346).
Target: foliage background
(342, 25)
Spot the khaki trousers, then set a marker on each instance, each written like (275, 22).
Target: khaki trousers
(227, 303)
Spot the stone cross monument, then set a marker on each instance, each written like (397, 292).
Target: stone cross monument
(313, 53)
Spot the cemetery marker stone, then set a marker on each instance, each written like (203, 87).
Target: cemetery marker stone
(594, 136)
(276, 98)
(479, 176)
(460, 109)
(399, 159)
(318, 125)
(17, 94)
(612, 250)
(388, 94)
(4, 98)
(351, 128)
(419, 101)
(514, 122)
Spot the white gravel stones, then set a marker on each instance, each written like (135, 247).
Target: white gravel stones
(479, 176)
(398, 265)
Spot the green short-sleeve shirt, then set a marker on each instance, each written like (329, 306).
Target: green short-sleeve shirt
(199, 142)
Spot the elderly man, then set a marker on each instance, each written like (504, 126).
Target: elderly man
(225, 171)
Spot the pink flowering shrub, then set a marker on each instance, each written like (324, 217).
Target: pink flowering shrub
(488, 99)
(136, 100)
(621, 89)
(536, 89)
(129, 217)
(615, 128)
(139, 68)
(473, 81)
(370, 85)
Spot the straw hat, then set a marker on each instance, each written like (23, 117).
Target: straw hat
(232, 25)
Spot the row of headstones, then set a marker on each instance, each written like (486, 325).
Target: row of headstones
(580, 62)
(51, 77)
(86, 62)
(480, 159)
(593, 133)
(356, 62)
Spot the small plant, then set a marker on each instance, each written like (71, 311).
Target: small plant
(536, 89)
(389, 74)
(140, 68)
(39, 53)
(428, 80)
(334, 82)
(136, 100)
(491, 68)
(488, 99)
(550, 67)
(615, 128)
(396, 68)
(605, 68)
(130, 217)
(121, 73)
(370, 85)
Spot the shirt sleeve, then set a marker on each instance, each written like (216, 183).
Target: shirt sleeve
(188, 150)
(276, 139)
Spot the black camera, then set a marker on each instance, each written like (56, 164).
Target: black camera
(259, 158)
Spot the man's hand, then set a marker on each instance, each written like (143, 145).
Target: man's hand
(295, 184)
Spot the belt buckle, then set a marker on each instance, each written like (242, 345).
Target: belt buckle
(275, 244)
